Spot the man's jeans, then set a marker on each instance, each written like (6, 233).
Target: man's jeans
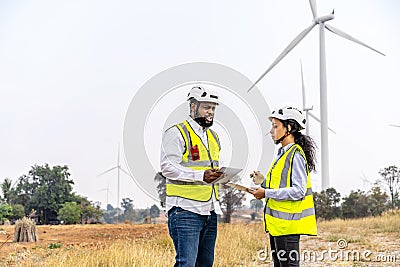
(285, 250)
(194, 237)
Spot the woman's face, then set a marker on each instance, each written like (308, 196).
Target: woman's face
(277, 130)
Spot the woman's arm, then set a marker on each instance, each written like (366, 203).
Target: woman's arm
(299, 182)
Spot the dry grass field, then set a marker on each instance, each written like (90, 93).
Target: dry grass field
(369, 242)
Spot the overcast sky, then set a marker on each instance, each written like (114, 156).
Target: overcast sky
(69, 69)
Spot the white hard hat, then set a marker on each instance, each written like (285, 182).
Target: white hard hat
(203, 94)
(287, 113)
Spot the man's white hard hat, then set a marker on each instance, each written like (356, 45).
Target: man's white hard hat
(203, 94)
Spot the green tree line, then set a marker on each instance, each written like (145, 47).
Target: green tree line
(384, 195)
(130, 215)
(45, 194)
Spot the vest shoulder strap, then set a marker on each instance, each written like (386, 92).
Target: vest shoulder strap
(215, 135)
(185, 135)
(301, 151)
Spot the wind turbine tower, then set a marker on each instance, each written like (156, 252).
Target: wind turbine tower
(119, 168)
(306, 109)
(108, 191)
(321, 21)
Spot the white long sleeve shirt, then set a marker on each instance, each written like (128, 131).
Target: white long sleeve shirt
(299, 179)
(172, 148)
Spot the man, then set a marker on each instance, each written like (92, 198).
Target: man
(189, 160)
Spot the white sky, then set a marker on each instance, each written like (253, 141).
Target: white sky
(68, 71)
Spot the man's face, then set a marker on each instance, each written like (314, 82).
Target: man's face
(204, 114)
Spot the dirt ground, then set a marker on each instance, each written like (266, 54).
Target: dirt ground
(76, 235)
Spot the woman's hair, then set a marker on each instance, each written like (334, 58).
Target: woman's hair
(306, 142)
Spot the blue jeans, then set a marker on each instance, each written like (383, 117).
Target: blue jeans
(194, 237)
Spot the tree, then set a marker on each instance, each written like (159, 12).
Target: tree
(129, 213)
(161, 188)
(154, 211)
(91, 212)
(397, 199)
(391, 178)
(6, 189)
(110, 215)
(377, 201)
(231, 200)
(70, 213)
(327, 204)
(356, 205)
(256, 204)
(18, 212)
(5, 211)
(360, 204)
(44, 189)
(141, 214)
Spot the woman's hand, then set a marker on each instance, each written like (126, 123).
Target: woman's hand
(257, 176)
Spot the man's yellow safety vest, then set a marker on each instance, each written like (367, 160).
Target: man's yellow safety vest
(289, 216)
(197, 157)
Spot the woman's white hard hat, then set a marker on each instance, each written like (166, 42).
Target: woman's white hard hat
(287, 113)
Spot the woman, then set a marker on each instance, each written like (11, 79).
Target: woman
(289, 209)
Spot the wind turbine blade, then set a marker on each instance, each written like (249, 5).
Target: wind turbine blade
(285, 52)
(317, 119)
(349, 37)
(393, 125)
(108, 170)
(313, 6)
(127, 173)
(314, 117)
(303, 90)
(330, 129)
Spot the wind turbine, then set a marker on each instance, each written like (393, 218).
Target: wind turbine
(322, 79)
(119, 168)
(306, 109)
(365, 181)
(108, 191)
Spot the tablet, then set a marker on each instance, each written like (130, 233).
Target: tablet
(229, 175)
(242, 187)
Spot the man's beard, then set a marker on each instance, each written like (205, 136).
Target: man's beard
(203, 122)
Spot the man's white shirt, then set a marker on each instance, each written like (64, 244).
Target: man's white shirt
(172, 149)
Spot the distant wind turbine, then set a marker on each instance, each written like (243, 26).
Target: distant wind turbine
(119, 168)
(323, 85)
(306, 109)
(365, 181)
(108, 192)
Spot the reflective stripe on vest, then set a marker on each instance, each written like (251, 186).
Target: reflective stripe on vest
(289, 217)
(208, 157)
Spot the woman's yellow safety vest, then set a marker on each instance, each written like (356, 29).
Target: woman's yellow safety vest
(288, 216)
(197, 157)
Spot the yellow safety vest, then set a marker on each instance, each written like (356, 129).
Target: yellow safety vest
(197, 157)
(288, 216)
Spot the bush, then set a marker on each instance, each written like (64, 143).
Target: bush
(5, 212)
(70, 213)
